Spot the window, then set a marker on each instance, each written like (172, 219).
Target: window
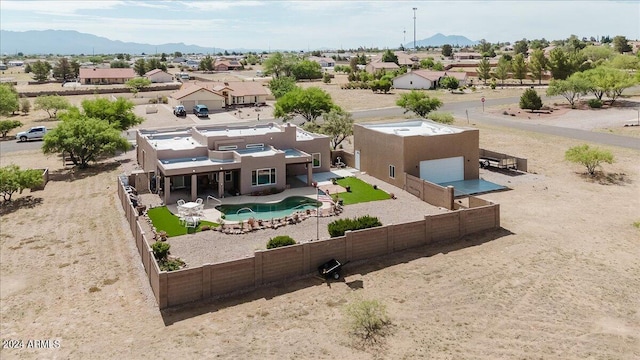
(228, 176)
(315, 159)
(262, 177)
(392, 171)
(227, 147)
(253, 146)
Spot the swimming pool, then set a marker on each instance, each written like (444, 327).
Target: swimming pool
(268, 211)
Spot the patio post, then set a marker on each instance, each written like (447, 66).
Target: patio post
(309, 174)
(220, 184)
(167, 189)
(194, 186)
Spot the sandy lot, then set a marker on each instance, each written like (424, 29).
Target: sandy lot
(561, 280)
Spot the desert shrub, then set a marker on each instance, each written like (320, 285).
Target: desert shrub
(326, 78)
(279, 241)
(441, 117)
(590, 157)
(594, 103)
(636, 224)
(165, 100)
(153, 101)
(340, 226)
(367, 319)
(530, 100)
(25, 105)
(171, 265)
(160, 250)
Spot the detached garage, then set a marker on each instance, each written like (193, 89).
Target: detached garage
(432, 151)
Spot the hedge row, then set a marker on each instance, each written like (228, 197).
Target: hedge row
(339, 227)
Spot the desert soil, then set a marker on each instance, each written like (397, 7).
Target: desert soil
(560, 280)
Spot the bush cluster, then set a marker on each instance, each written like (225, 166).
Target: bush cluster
(279, 241)
(340, 226)
(595, 103)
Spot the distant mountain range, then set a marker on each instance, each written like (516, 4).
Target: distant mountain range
(67, 42)
(440, 39)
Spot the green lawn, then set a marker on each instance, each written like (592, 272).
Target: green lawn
(164, 220)
(360, 192)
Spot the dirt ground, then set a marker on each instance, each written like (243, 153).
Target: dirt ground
(560, 280)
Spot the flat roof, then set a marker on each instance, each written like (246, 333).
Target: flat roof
(414, 128)
(184, 163)
(238, 131)
(175, 142)
(261, 151)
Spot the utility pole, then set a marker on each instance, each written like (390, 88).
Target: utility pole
(414, 28)
(404, 36)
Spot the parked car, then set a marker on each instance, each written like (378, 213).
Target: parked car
(179, 111)
(201, 110)
(36, 132)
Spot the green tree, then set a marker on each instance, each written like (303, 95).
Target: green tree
(84, 138)
(153, 64)
(118, 113)
(449, 82)
(13, 179)
(621, 44)
(418, 102)
(280, 241)
(538, 44)
(389, 56)
(137, 84)
(338, 125)
(8, 125)
(625, 62)
(119, 64)
(383, 85)
(537, 64)
(530, 100)
(590, 157)
(560, 64)
(521, 47)
(163, 57)
(307, 69)
(484, 70)
(52, 104)
(206, 63)
(8, 100)
(501, 71)
(177, 54)
(309, 103)
(438, 66)
(597, 54)
(27, 68)
(41, 70)
(570, 89)
(427, 63)
(447, 50)
(274, 64)
(140, 67)
(25, 105)
(75, 68)
(62, 70)
(519, 67)
(281, 85)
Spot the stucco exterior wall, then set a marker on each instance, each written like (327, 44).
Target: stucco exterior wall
(377, 152)
(412, 81)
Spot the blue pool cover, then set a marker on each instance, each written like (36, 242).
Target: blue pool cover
(471, 187)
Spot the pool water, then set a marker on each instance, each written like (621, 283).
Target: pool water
(268, 211)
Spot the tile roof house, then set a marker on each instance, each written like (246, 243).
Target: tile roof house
(426, 79)
(467, 56)
(378, 65)
(226, 65)
(323, 61)
(218, 95)
(105, 76)
(231, 160)
(158, 76)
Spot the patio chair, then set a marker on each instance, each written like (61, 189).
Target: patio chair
(199, 201)
(192, 222)
(180, 202)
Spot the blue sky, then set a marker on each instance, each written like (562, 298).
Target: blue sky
(301, 25)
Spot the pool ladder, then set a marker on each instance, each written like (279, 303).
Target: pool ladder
(245, 208)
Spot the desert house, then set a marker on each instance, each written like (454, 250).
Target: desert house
(431, 151)
(426, 79)
(226, 65)
(219, 95)
(105, 76)
(158, 76)
(225, 160)
(325, 62)
(378, 65)
(467, 56)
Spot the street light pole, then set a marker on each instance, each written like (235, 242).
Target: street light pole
(414, 27)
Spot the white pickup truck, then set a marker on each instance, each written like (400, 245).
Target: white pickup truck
(36, 132)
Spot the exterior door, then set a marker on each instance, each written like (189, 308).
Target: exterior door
(357, 159)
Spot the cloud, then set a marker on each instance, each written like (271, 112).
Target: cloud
(58, 7)
(218, 5)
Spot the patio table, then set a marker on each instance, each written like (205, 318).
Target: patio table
(191, 208)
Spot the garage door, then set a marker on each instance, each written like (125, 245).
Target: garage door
(442, 170)
(189, 104)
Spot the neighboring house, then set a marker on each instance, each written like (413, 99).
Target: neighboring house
(226, 65)
(376, 66)
(406, 60)
(178, 60)
(432, 151)
(16, 63)
(323, 61)
(426, 79)
(158, 76)
(193, 64)
(218, 95)
(467, 56)
(230, 160)
(193, 95)
(3, 66)
(105, 76)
